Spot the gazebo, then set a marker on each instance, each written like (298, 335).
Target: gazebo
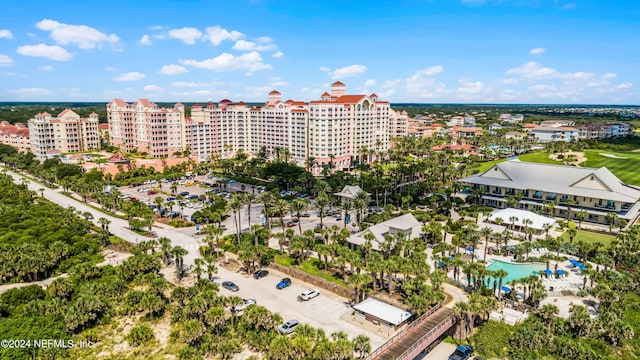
(348, 193)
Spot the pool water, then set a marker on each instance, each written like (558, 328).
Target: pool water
(515, 271)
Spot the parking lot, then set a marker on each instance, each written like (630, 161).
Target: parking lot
(148, 192)
(325, 311)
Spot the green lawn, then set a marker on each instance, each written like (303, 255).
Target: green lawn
(484, 166)
(539, 157)
(625, 169)
(590, 237)
(311, 267)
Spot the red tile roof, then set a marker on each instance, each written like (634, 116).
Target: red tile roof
(275, 92)
(337, 83)
(349, 99)
(103, 126)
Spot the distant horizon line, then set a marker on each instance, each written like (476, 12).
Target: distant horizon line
(392, 103)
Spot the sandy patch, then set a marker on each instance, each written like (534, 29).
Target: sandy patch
(612, 156)
(579, 155)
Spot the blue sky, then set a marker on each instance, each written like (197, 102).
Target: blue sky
(430, 51)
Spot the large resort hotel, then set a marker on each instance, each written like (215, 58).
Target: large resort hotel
(570, 189)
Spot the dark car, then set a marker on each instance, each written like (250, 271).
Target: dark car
(286, 282)
(231, 286)
(463, 352)
(260, 274)
(184, 193)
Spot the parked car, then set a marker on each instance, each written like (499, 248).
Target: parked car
(338, 218)
(463, 352)
(193, 196)
(290, 224)
(171, 199)
(230, 285)
(184, 193)
(260, 274)
(308, 294)
(294, 220)
(288, 327)
(305, 214)
(286, 282)
(151, 192)
(244, 305)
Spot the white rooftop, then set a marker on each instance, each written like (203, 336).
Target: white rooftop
(570, 180)
(538, 221)
(384, 311)
(406, 223)
(349, 191)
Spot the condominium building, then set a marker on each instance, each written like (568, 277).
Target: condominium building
(574, 133)
(67, 132)
(146, 127)
(15, 135)
(333, 129)
(567, 189)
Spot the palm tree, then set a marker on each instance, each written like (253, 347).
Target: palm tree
(361, 345)
(547, 312)
(346, 207)
(104, 223)
(178, 253)
(582, 214)
(165, 247)
(500, 274)
(281, 207)
(235, 205)
(322, 201)
(611, 217)
(513, 220)
(266, 198)
(297, 206)
(569, 203)
(248, 199)
(487, 232)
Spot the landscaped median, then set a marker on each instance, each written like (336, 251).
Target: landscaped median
(308, 272)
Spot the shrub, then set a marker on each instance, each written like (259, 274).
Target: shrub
(140, 334)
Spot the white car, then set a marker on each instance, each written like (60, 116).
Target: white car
(308, 294)
(182, 182)
(240, 308)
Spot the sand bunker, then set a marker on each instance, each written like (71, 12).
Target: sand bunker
(612, 156)
(579, 157)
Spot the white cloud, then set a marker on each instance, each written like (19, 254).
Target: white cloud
(370, 82)
(345, 72)
(153, 88)
(251, 62)
(85, 37)
(173, 69)
(537, 51)
(473, 91)
(52, 52)
(111, 68)
(144, 40)
(29, 93)
(277, 54)
(46, 68)
(5, 60)
(6, 34)
(190, 84)
(188, 35)
(532, 71)
(624, 85)
(256, 92)
(510, 81)
(244, 45)
(216, 35)
(430, 71)
(157, 27)
(130, 76)
(277, 81)
(609, 75)
(422, 85)
(579, 76)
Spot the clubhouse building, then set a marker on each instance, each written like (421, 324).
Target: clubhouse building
(537, 187)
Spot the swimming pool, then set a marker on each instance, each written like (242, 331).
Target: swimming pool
(515, 271)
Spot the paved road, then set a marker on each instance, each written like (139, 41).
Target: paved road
(325, 311)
